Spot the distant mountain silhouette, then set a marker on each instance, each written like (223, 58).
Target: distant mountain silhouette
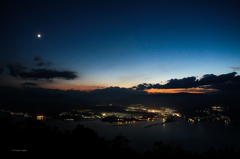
(48, 101)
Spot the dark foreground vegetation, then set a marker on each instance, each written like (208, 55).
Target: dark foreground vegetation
(36, 138)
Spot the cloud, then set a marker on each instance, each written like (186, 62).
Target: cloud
(189, 82)
(44, 63)
(37, 58)
(16, 68)
(27, 84)
(98, 87)
(235, 68)
(40, 62)
(213, 79)
(116, 90)
(229, 86)
(48, 74)
(142, 86)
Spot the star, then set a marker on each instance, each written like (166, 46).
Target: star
(39, 35)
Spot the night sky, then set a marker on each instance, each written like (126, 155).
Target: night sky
(90, 44)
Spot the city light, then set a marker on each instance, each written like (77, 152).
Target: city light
(40, 117)
(191, 120)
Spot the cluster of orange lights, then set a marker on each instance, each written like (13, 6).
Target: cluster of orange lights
(40, 117)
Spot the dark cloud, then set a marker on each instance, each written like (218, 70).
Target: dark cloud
(98, 87)
(1, 71)
(29, 84)
(18, 69)
(44, 63)
(116, 91)
(235, 68)
(48, 74)
(15, 69)
(40, 62)
(37, 58)
(189, 82)
(213, 79)
(224, 82)
(142, 86)
(228, 86)
(207, 79)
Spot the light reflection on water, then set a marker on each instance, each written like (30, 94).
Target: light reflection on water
(195, 137)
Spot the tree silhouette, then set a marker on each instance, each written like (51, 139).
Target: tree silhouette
(120, 146)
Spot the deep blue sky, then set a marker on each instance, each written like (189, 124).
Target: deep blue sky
(118, 42)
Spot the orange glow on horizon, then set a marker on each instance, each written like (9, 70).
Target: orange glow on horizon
(180, 90)
(76, 88)
(88, 88)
